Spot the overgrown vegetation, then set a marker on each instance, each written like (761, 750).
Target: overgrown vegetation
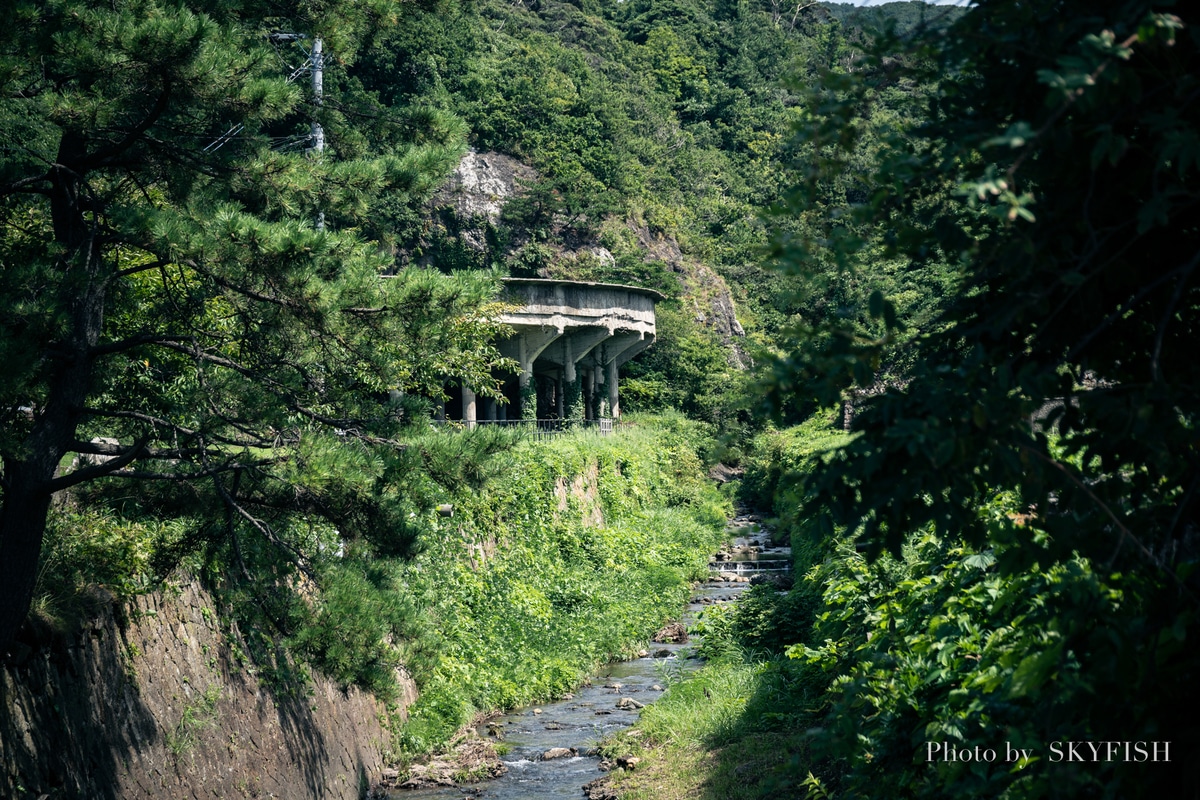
(1001, 557)
(982, 227)
(560, 555)
(659, 132)
(581, 552)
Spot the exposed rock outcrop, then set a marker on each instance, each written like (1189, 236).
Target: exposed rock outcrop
(483, 183)
(711, 300)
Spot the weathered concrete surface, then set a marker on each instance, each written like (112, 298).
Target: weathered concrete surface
(575, 304)
(165, 706)
(574, 335)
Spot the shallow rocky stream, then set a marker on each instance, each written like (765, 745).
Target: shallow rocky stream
(552, 747)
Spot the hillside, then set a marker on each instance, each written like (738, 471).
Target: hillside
(932, 292)
(651, 137)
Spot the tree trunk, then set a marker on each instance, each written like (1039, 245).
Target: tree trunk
(82, 274)
(22, 528)
(27, 496)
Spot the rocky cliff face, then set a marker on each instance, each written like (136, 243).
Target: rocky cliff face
(158, 701)
(483, 183)
(708, 293)
(477, 191)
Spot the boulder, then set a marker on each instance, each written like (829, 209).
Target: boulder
(628, 763)
(672, 632)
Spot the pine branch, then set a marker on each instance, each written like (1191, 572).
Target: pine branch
(105, 156)
(97, 470)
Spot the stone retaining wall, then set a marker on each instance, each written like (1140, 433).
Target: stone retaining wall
(163, 704)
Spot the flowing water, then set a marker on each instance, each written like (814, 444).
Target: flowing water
(595, 711)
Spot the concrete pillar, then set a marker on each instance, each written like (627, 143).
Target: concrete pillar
(571, 384)
(614, 407)
(528, 395)
(601, 398)
(489, 409)
(469, 410)
(588, 392)
(526, 384)
(558, 396)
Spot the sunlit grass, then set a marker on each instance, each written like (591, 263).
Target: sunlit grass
(699, 741)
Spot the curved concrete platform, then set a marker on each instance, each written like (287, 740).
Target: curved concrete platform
(570, 338)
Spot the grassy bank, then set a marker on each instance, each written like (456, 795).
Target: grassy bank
(559, 555)
(724, 733)
(570, 557)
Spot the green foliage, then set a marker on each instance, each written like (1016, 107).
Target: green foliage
(364, 626)
(942, 647)
(764, 621)
(1027, 459)
(172, 312)
(647, 122)
(581, 551)
(687, 369)
(781, 459)
(90, 558)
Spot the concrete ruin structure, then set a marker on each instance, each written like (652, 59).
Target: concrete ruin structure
(571, 339)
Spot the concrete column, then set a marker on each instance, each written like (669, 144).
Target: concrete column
(558, 396)
(489, 409)
(601, 398)
(469, 410)
(528, 389)
(588, 392)
(613, 406)
(571, 385)
(528, 394)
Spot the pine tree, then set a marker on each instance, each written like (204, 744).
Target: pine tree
(170, 310)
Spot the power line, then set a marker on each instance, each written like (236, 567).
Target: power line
(314, 64)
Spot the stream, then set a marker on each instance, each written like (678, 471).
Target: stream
(610, 702)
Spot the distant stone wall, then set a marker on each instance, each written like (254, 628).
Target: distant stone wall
(163, 706)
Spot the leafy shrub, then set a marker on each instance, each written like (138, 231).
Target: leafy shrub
(91, 549)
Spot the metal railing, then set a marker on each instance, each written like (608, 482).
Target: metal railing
(537, 428)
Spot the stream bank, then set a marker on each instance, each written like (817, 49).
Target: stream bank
(550, 750)
(156, 699)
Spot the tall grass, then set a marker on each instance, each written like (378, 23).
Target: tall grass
(572, 557)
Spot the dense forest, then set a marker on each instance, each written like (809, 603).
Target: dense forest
(930, 278)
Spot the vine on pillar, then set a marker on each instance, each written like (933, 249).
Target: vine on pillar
(528, 393)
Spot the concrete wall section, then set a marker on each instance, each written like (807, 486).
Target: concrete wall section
(570, 338)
